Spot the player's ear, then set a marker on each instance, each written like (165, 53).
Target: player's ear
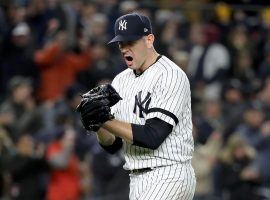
(150, 40)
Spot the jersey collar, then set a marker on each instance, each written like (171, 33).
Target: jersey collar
(139, 74)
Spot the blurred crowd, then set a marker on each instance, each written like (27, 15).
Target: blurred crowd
(51, 51)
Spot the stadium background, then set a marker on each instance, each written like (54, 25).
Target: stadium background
(53, 50)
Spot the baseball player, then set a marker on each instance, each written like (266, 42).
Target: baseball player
(147, 112)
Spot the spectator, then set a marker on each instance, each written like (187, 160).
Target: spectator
(169, 33)
(17, 57)
(253, 118)
(235, 174)
(64, 181)
(222, 17)
(243, 68)
(56, 11)
(26, 168)
(263, 162)
(238, 42)
(57, 43)
(264, 97)
(37, 20)
(264, 68)
(88, 11)
(6, 151)
(203, 162)
(96, 28)
(73, 26)
(16, 12)
(209, 60)
(128, 7)
(211, 120)
(233, 106)
(63, 114)
(59, 66)
(3, 28)
(103, 67)
(110, 180)
(19, 112)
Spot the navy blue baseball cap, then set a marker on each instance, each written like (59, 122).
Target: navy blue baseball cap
(131, 27)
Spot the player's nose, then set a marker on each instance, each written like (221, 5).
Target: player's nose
(124, 50)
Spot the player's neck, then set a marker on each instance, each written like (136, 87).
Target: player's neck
(151, 59)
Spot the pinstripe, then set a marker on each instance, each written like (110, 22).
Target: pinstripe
(153, 180)
(169, 141)
(152, 152)
(178, 190)
(187, 187)
(126, 108)
(136, 149)
(171, 190)
(184, 124)
(156, 189)
(122, 115)
(182, 147)
(161, 186)
(138, 188)
(124, 95)
(192, 187)
(142, 186)
(148, 194)
(179, 108)
(143, 83)
(162, 150)
(169, 137)
(185, 132)
(178, 138)
(179, 186)
(167, 78)
(132, 186)
(181, 135)
(174, 85)
(170, 91)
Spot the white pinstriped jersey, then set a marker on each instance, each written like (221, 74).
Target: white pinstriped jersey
(161, 91)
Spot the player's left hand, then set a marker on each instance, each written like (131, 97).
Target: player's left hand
(105, 91)
(95, 106)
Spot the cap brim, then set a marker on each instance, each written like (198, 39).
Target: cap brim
(122, 38)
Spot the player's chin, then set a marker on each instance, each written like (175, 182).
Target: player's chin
(131, 65)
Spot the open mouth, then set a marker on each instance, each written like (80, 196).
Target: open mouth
(129, 60)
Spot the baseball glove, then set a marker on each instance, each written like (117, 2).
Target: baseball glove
(95, 106)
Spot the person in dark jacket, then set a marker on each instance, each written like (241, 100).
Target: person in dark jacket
(26, 168)
(237, 178)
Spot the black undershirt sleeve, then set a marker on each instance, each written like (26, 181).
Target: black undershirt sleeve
(152, 134)
(118, 143)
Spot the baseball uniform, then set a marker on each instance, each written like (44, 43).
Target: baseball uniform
(161, 91)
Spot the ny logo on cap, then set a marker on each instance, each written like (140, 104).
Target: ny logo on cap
(122, 25)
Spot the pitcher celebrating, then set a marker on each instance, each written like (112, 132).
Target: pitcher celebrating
(152, 121)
